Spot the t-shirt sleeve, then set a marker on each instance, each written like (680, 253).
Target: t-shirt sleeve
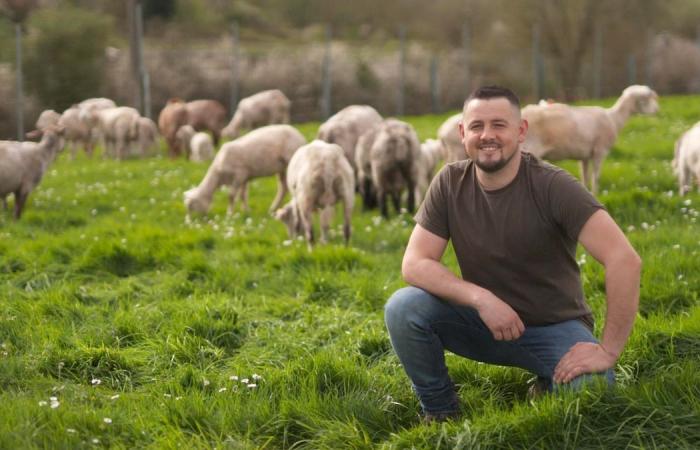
(571, 203)
(432, 214)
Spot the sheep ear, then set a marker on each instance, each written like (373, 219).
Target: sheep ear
(34, 134)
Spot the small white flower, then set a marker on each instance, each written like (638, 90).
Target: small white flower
(93, 212)
(244, 381)
(70, 430)
(95, 381)
(95, 441)
(167, 395)
(680, 277)
(114, 397)
(206, 382)
(687, 202)
(223, 389)
(55, 404)
(287, 242)
(53, 399)
(43, 403)
(252, 385)
(107, 420)
(256, 377)
(233, 377)
(677, 246)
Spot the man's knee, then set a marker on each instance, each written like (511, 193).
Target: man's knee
(405, 305)
(587, 380)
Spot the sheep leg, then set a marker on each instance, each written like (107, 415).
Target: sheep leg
(281, 190)
(305, 216)
(232, 194)
(325, 219)
(585, 174)
(20, 200)
(597, 165)
(683, 179)
(396, 201)
(410, 178)
(244, 196)
(347, 218)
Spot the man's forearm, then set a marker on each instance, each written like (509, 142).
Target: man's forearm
(622, 290)
(437, 279)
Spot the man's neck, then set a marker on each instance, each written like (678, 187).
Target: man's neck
(492, 181)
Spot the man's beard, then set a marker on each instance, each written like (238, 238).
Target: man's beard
(494, 166)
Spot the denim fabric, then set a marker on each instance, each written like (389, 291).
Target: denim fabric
(422, 326)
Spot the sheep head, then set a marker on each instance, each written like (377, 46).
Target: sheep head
(195, 202)
(288, 215)
(645, 99)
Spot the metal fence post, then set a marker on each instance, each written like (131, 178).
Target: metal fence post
(326, 87)
(20, 87)
(400, 104)
(434, 85)
(537, 63)
(235, 58)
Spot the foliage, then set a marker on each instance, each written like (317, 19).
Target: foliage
(64, 60)
(123, 326)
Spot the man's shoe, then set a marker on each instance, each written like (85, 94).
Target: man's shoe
(540, 387)
(440, 417)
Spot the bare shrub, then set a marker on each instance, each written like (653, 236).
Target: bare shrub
(675, 66)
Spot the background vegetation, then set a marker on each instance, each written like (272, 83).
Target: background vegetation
(123, 326)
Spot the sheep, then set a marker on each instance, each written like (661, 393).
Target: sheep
(686, 161)
(394, 160)
(318, 176)
(346, 126)
(147, 138)
(199, 146)
(46, 118)
(88, 117)
(448, 134)
(364, 167)
(75, 130)
(23, 164)
(120, 129)
(431, 152)
(262, 152)
(586, 133)
(264, 108)
(202, 115)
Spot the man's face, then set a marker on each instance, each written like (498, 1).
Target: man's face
(491, 131)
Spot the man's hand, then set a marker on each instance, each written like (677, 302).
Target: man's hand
(503, 322)
(582, 358)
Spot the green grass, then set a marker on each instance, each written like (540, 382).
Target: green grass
(143, 326)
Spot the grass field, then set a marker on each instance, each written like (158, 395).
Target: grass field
(122, 326)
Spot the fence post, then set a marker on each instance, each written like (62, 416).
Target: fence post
(402, 71)
(648, 56)
(466, 49)
(597, 61)
(537, 63)
(631, 70)
(326, 86)
(235, 57)
(20, 88)
(144, 81)
(434, 85)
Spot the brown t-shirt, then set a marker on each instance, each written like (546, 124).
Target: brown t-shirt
(519, 241)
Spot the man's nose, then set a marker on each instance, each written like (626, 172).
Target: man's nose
(487, 133)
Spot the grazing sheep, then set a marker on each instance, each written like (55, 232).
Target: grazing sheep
(318, 177)
(263, 108)
(262, 152)
(201, 147)
(586, 133)
(364, 167)
(88, 120)
(77, 130)
(147, 139)
(346, 126)
(394, 161)
(184, 137)
(448, 134)
(202, 115)
(47, 118)
(23, 164)
(119, 128)
(686, 161)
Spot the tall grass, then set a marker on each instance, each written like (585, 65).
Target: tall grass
(123, 326)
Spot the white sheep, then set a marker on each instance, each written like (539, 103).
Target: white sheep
(346, 126)
(686, 161)
(23, 164)
(586, 133)
(448, 134)
(431, 152)
(147, 138)
(394, 163)
(199, 146)
(262, 152)
(318, 176)
(119, 128)
(264, 108)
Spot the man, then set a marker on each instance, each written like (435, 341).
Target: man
(514, 223)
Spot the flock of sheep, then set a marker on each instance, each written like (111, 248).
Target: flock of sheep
(355, 150)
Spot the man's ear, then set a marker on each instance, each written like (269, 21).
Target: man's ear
(461, 130)
(523, 130)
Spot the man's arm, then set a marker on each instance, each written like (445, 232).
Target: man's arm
(603, 239)
(421, 267)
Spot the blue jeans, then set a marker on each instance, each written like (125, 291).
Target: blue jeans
(421, 326)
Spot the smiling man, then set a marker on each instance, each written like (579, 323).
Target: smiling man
(514, 223)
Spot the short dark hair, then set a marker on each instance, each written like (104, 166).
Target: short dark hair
(489, 92)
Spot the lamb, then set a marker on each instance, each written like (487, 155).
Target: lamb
(262, 152)
(586, 133)
(394, 161)
(363, 164)
(23, 164)
(448, 134)
(202, 115)
(119, 128)
(318, 177)
(346, 126)
(686, 161)
(47, 118)
(264, 108)
(431, 152)
(198, 145)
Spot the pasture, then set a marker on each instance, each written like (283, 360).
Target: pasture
(122, 326)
